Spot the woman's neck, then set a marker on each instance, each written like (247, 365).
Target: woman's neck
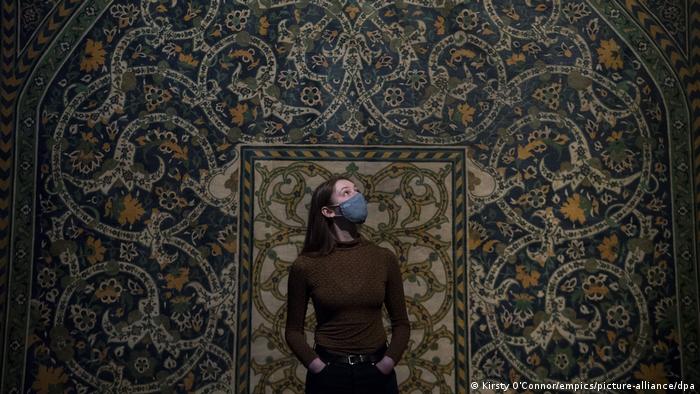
(346, 231)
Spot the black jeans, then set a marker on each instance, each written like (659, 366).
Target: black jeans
(351, 379)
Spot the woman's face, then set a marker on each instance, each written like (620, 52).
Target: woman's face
(342, 191)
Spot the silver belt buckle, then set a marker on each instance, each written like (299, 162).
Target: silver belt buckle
(352, 357)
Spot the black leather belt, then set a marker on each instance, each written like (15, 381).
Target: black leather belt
(329, 357)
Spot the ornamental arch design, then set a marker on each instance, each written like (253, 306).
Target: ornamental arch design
(556, 134)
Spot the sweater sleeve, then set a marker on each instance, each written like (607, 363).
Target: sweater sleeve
(396, 306)
(297, 302)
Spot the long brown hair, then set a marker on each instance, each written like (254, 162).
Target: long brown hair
(319, 239)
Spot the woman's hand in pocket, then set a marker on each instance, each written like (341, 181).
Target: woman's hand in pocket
(385, 365)
(317, 365)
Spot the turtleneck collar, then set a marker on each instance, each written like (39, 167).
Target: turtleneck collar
(349, 244)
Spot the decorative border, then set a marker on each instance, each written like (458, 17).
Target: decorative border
(693, 91)
(455, 156)
(15, 66)
(649, 22)
(37, 66)
(671, 77)
(686, 65)
(8, 89)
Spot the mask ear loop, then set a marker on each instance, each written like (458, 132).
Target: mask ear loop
(336, 209)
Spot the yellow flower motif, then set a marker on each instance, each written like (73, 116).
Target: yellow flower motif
(94, 56)
(526, 151)
(178, 280)
(610, 54)
(352, 11)
(238, 113)
(467, 112)
(516, 58)
(474, 241)
(188, 59)
(572, 209)
(608, 249)
(264, 26)
(615, 136)
(95, 250)
(188, 381)
(179, 152)
(526, 279)
(215, 249)
(439, 25)
(533, 359)
(88, 137)
(47, 378)
(653, 373)
(131, 210)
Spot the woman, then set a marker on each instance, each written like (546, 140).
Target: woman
(348, 279)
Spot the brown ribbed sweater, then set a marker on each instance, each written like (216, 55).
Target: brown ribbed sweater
(348, 288)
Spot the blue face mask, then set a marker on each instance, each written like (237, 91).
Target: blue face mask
(354, 209)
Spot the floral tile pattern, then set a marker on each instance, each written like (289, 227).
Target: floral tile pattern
(131, 204)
